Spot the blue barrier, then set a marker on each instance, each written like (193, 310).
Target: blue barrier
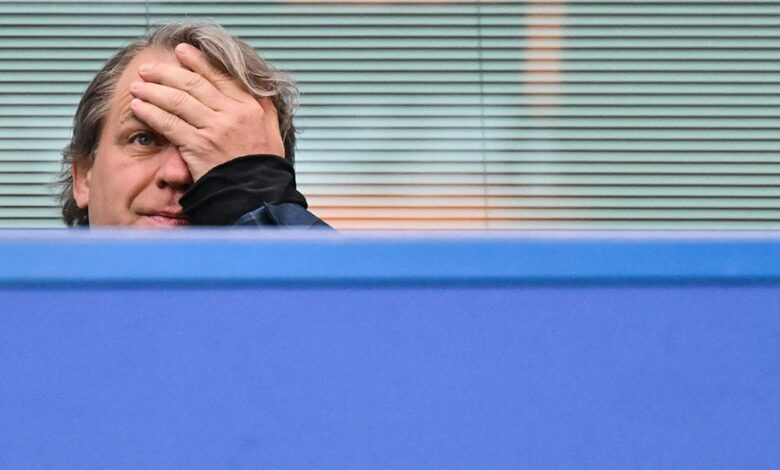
(211, 349)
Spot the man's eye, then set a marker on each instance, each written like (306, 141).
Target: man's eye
(144, 139)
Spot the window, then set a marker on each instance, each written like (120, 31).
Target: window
(450, 114)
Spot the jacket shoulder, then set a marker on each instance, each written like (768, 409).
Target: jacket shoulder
(281, 215)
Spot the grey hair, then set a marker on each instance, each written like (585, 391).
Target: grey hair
(223, 51)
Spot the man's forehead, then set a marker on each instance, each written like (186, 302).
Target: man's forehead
(150, 55)
(121, 98)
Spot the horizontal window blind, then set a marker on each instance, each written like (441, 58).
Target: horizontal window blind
(500, 115)
(49, 51)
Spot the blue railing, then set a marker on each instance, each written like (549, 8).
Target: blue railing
(210, 349)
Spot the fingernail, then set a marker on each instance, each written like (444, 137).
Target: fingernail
(181, 49)
(135, 86)
(144, 68)
(135, 102)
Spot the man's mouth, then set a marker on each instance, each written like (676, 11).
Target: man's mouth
(168, 219)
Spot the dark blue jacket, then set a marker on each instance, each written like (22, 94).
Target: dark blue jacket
(286, 214)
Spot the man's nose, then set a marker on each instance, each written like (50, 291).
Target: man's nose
(173, 171)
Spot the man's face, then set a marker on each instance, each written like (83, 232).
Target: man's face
(137, 176)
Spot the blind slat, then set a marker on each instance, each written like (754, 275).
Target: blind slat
(576, 114)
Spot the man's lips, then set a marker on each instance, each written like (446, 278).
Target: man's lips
(168, 218)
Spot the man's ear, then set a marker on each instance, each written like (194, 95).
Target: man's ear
(81, 172)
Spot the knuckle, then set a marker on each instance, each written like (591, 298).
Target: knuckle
(232, 121)
(193, 81)
(168, 123)
(199, 145)
(177, 100)
(205, 137)
(221, 77)
(246, 113)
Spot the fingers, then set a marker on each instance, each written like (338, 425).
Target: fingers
(192, 58)
(174, 101)
(207, 114)
(172, 127)
(271, 122)
(178, 78)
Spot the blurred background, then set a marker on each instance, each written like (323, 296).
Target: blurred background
(455, 114)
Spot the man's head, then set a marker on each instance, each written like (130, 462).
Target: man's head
(122, 189)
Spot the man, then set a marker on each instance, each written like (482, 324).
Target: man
(185, 126)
